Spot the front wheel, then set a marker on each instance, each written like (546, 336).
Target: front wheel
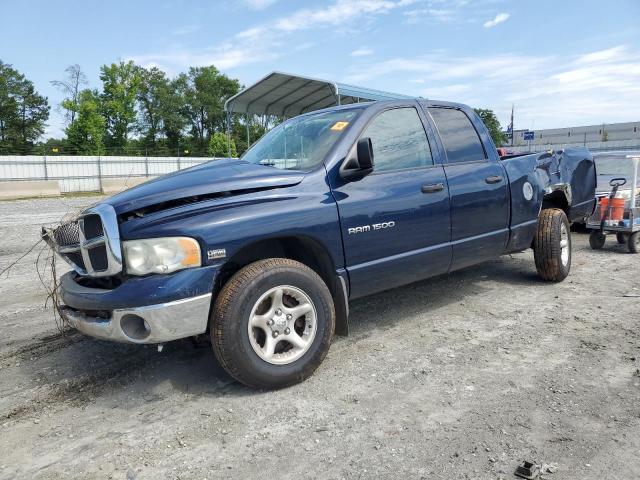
(552, 245)
(272, 323)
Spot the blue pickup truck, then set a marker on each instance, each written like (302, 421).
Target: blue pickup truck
(264, 253)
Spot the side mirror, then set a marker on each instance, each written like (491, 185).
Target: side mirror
(361, 164)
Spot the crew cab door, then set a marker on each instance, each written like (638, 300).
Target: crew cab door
(478, 188)
(395, 221)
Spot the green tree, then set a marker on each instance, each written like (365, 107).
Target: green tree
(239, 131)
(160, 104)
(70, 87)
(85, 136)
(493, 125)
(218, 146)
(23, 112)
(9, 80)
(33, 112)
(205, 91)
(153, 85)
(173, 120)
(121, 82)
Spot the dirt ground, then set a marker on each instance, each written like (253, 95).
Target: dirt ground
(461, 376)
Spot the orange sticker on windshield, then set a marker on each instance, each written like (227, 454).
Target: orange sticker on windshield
(339, 126)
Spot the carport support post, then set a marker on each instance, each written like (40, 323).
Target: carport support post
(99, 174)
(248, 137)
(229, 133)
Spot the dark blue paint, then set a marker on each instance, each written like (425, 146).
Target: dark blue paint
(479, 212)
(139, 291)
(239, 204)
(205, 179)
(419, 241)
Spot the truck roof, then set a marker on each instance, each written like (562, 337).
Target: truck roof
(368, 104)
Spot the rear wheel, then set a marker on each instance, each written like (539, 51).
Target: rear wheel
(272, 323)
(597, 239)
(633, 243)
(552, 245)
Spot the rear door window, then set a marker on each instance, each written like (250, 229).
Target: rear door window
(460, 138)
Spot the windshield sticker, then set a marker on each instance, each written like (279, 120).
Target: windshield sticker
(339, 126)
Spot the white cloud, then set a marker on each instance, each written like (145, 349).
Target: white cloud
(265, 42)
(223, 57)
(447, 91)
(449, 11)
(186, 30)
(361, 52)
(548, 91)
(337, 13)
(441, 65)
(437, 14)
(499, 18)
(615, 53)
(259, 4)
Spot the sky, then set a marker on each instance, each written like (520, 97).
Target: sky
(559, 63)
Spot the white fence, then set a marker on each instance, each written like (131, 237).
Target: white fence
(85, 173)
(593, 146)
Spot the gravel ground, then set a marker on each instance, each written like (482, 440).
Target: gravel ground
(460, 376)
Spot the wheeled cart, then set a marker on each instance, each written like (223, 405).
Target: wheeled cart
(619, 211)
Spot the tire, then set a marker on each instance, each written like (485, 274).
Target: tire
(633, 242)
(597, 239)
(264, 295)
(552, 245)
(622, 238)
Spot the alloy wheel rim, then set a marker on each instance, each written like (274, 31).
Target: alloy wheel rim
(282, 325)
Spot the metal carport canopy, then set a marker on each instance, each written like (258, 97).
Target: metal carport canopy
(288, 95)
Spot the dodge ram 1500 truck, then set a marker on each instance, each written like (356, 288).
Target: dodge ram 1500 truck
(264, 253)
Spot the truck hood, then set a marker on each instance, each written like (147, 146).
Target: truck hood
(221, 177)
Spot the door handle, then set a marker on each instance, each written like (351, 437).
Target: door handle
(436, 187)
(493, 179)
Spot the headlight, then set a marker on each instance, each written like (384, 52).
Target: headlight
(161, 255)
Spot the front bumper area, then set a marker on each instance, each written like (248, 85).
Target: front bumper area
(152, 309)
(148, 324)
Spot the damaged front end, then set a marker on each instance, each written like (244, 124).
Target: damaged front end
(99, 299)
(90, 244)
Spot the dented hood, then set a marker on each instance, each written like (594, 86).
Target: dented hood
(221, 176)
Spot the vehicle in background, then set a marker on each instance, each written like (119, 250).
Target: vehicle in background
(264, 253)
(505, 152)
(618, 194)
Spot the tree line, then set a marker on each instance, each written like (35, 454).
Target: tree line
(136, 111)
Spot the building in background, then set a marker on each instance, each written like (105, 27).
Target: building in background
(606, 132)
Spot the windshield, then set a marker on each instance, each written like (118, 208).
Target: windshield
(302, 142)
